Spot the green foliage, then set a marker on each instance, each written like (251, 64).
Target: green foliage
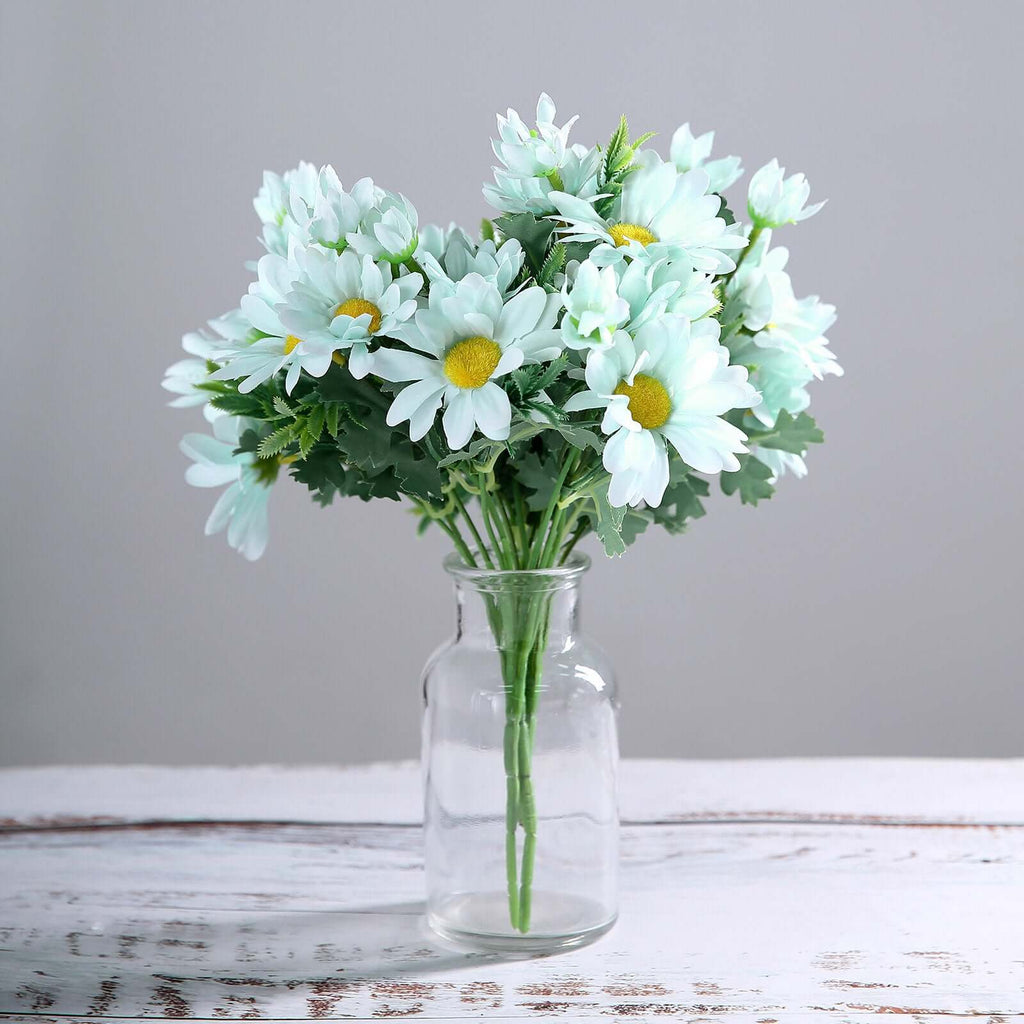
(724, 212)
(528, 381)
(790, 434)
(618, 163)
(538, 475)
(751, 480)
(681, 502)
(553, 264)
(533, 233)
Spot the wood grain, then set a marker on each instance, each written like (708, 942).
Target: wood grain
(846, 913)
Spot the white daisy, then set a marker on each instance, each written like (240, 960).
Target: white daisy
(181, 378)
(282, 204)
(465, 340)
(577, 175)
(774, 200)
(776, 317)
(340, 301)
(672, 383)
(533, 152)
(388, 230)
(648, 291)
(277, 348)
(779, 375)
(594, 310)
(687, 152)
(449, 256)
(242, 508)
(334, 213)
(661, 214)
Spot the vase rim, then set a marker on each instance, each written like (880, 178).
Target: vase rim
(557, 576)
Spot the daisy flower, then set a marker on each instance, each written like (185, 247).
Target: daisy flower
(242, 508)
(776, 316)
(277, 348)
(334, 214)
(780, 376)
(465, 340)
(340, 301)
(576, 175)
(388, 230)
(687, 152)
(449, 256)
(282, 205)
(661, 214)
(672, 383)
(774, 200)
(181, 378)
(627, 294)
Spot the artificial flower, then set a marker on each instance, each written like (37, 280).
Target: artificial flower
(661, 214)
(774, 200)
(672, 383)
(388, 230)
(242, 508)
(465, 340)
(577, 175)
(276, 347)
(687, 153)
(780, 462)
(340, 302)
(447, 256)
(282, 205)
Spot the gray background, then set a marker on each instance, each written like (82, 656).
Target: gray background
(873, 608)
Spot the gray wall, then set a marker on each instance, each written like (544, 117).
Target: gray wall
(873, 608)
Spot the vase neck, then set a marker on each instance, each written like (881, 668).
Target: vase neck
(503, 609)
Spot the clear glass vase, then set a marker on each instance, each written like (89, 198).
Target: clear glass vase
(520, 755)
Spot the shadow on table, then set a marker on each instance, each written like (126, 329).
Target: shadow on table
(224, 965)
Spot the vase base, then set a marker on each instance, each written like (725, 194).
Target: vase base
(479, 921)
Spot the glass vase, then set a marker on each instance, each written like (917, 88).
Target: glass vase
(520, 755)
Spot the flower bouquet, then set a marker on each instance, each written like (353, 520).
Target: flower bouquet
(584, 364)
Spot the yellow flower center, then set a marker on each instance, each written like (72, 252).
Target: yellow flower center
(623, 234)
(289, 344)
(470, 363)
(649, 403)
(339, 358)
(359, 307)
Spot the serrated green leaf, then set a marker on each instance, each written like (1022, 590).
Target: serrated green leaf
(751, 480)
(239, 405)
(533, 234)
(606, 520)
(538, 477)
(681, 502)
(276, 442)
(791, 434)
(553, 265)
(282, 406)
(332, 410)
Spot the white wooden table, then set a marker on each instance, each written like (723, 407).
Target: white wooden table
(760, 891)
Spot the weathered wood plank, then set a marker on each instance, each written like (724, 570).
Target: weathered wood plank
(288, 922)
(823, 789)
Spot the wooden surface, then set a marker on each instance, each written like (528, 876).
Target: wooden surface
(758, 891)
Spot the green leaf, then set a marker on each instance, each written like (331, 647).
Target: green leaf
(331, 412)
(537, 476)
(681, 502)
(533, 234)
(275, 443)
(323, 473)
(282, 406)
(724, 212)
(616, 144)
(791, 435)
(751, 480)
(552, 265)
(606, 520)
(240, 405)
(486, 230)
